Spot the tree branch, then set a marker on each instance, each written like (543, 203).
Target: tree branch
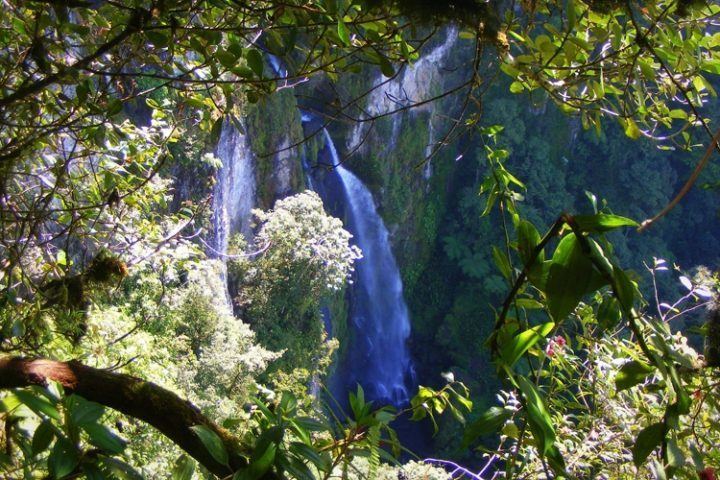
(688, 184)
(132, 396)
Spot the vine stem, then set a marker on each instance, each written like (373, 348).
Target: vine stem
(554, 230)
(685, 188)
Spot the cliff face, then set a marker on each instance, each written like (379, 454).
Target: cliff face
(431, 207)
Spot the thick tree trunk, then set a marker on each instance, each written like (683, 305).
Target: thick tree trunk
(132, 396)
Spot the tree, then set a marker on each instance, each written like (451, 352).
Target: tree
(82, 182)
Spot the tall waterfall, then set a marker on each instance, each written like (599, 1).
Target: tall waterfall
(234, 192)
(233, 195)
(377, 357)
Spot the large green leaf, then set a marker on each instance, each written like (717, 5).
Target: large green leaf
(523, 341)
(183, 469)
(603, 222)
(118, 469)
(343, 32)
(103, 438)
(259, 464)
(571, 276)
(625, 289)
(38, 404)
(528, 239)
(538, 416)
(489, 422)
(212, 442)
(308, 453)
(647, 440)
(42, 437)
(609, 313)
(255, 61)
(83, 412)
(631, 374)
(502, 262)
(63, 458)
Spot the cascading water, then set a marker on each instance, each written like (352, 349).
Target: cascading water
(377, 357)
(234, 192)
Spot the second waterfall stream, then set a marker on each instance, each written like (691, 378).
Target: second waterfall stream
(377, 355)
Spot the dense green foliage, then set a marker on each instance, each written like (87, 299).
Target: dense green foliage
(102, 103)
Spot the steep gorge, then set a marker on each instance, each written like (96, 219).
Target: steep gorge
(432, 211)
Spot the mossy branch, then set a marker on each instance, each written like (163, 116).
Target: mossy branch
(132, 396)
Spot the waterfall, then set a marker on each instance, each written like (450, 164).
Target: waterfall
(377, 357)
(234, 191)
(233, 195)
(414, 84)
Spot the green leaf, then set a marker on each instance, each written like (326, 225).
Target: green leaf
(631, 374)
(296, 468)
(609, 313)
(571, 18)
(676, 458)
(631, 129)
(489, 422)
(528, 239)
(227, 59)
(255, 61)
(93, 472)
(556, 461)
(570, 277)
(625, 289)
(42, 437)
(103, 438)
(119, 469)
(83, 412)
(516, 87)
(343, 32)
(38, 404)
(528, 303)
(502, 262)
(259, 464)
(539, 273)
(310, 424)
(63, 458)
(683, 399)
(183, 469)
(386, 67)
(538, 416)
(522, 342)
(603, 222)
(647, 440)
(159, 39)
(308, 453)
(61, 258)
(212, 442)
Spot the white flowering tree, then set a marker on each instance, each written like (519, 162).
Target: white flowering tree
(302, 255)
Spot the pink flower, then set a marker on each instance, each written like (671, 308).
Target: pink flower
(555, 345)
(708, 473)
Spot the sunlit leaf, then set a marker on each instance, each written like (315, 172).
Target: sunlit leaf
(603, 222)
(212, 442)
(631, 374)
(522, 342)
(570, 276)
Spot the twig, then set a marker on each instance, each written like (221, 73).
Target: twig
(690, 182)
